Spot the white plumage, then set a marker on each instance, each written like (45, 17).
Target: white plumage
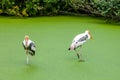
(29, 47)
(79, 40)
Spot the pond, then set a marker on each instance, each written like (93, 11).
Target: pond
(53, 61)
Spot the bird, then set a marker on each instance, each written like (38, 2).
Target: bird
(29, 47)
(78, 41)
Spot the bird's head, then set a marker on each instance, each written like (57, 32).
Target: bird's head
(26, 40)
(26, 37)
(88, 31)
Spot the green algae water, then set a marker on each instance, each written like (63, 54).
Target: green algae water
(53, 61)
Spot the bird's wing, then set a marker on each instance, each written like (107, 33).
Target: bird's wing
(23, 45)
(32, 45)
(77, 37)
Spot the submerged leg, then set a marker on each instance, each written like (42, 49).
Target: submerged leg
(77, 54)
(27, 60)
(80, 53)
(27, 57)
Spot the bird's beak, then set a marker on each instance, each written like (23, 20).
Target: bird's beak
(91, 37)
(26, 39)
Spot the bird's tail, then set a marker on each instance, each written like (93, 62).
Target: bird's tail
(32, 53)
(69, 49)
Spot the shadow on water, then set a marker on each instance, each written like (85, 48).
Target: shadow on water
(30, 68)
(30, 71)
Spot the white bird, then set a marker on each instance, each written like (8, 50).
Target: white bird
(78, 42)
(29, 47)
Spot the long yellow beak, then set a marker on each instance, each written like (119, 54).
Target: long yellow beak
(91, 37)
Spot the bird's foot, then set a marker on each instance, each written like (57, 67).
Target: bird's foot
(81, 60)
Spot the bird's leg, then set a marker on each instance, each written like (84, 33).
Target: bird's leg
(27, 58)
(77, 54)
(80, 53)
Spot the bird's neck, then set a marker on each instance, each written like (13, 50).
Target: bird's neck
(26, 43)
